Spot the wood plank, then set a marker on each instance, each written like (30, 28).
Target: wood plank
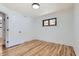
(21, 49)
(37, 49)
(1, 44)
(40, 48)
(44, 51)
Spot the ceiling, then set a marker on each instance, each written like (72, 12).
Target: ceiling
(45, 8)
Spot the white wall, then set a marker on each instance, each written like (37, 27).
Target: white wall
(16, 23)
(62, 33)
(76, 28)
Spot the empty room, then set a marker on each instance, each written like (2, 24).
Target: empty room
(39, 29)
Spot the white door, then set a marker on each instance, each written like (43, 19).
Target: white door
(3, 27)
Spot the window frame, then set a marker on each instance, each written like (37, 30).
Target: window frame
(49, 22)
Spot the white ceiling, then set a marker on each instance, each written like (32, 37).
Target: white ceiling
(45, 8)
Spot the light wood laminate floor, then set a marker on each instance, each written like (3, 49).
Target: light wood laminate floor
(39, 48)
(1, 43)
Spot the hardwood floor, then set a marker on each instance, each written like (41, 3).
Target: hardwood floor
(39, 48)
(1, 43)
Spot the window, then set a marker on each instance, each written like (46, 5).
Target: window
(50, 22)
(45, 23)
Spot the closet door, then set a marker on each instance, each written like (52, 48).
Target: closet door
(3, 29)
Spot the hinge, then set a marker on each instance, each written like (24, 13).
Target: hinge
(4, 19)
(7, 17)
(7, 29)
(7, 41)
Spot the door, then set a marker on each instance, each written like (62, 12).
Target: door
(3, 26)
